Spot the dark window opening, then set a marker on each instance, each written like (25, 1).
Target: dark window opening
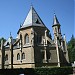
(55, 30)
(18, 56)
(6, 57)
(7, 43)
(23, 55)
(37, 21)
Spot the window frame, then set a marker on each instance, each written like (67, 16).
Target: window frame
(23, 55)
(18, 56)
(26, 39)
(6, 57)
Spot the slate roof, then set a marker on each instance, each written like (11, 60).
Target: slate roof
(55, 20)
(7, 43)
(32, 19)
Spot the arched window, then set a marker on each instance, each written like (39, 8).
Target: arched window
(18, 56)
(37, 21)
(55, 30)
(6, 57)
(26, 38)
(23, 55)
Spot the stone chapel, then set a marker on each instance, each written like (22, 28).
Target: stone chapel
(34, 46)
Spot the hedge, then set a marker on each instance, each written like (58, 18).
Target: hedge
(38, 71)
(54, 71)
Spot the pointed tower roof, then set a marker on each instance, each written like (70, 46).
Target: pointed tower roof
(55, 21)
(32, 19)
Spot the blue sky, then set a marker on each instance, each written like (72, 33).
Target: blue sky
(14, 12)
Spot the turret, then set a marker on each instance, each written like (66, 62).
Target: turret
(57, 36)
(56, 29)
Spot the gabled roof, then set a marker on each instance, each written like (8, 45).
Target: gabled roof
(32, 19)
(7, 43)
(55, 20)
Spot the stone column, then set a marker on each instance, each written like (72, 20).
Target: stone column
(46, 37)
(11, 56)
(65, 42)
(49, 56)
(11, 49)
(58, 58)
(32, 47)
(62, 45)
(45, 54)
(67, 58)
(21, 46)
(32, 37)
(3, 54)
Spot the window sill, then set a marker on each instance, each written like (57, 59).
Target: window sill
(27, 45)
(19, 60)
(23, 59)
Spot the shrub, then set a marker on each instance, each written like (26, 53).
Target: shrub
(38, 71)
(54, 71)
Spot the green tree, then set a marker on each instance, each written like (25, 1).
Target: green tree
(3, 40)
(71, 49)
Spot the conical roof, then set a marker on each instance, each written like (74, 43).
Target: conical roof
(55, 20)
(32, 19)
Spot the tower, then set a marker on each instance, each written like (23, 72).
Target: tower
(33, 31)
(56, 29)
(60, 42)
(57, 37)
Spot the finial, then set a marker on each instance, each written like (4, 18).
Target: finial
(10, 34)
(64, 34)
(54, 12)
(31, 5)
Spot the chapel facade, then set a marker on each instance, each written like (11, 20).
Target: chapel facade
(34, 46)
